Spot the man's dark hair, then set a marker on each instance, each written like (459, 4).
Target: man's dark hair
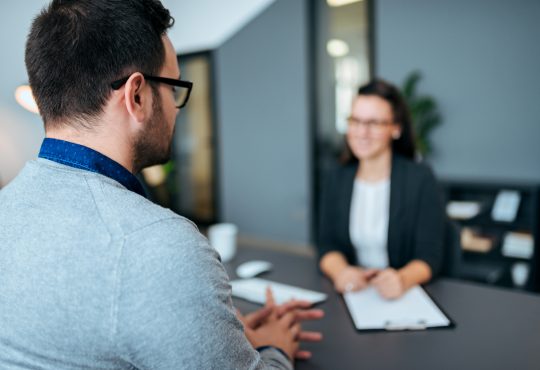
(76, 48)
(405, 144)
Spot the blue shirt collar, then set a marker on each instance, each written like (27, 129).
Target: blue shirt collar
(82, 157)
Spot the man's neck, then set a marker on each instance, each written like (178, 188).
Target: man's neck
(107, 144)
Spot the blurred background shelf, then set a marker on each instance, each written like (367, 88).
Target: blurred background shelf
(493, 251)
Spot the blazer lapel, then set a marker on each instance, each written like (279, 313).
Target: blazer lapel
(346, 199)
(397, 183)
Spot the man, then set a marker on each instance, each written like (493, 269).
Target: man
(92, 274)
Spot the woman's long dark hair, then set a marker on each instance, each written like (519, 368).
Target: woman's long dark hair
(403, 146)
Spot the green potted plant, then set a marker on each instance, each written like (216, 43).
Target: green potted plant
(424, 114)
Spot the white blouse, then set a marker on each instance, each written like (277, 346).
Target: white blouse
(368, 225)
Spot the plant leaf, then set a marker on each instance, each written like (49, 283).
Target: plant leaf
(409, 87)
(424, 113)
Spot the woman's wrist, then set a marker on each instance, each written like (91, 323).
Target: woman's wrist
(414, 273)
(336, 271)
(332, 264)
(404, 279)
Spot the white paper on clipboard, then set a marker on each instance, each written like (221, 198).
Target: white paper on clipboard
(415, 310)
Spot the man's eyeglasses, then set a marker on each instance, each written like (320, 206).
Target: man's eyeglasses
(181, 90)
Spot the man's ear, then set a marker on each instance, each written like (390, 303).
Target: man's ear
(137, 95)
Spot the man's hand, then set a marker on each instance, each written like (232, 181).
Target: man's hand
(389, 283)
(256, 324)
(280, 332)
(302, 311)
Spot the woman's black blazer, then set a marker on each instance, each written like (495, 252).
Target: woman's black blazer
(416, 216)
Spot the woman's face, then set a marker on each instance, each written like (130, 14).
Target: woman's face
(371, 127)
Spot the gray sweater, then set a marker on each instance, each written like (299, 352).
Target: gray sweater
(93, 276)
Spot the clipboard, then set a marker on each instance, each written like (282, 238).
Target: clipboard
(415, 310)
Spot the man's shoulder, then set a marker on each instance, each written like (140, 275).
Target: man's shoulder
(153, 238)
(87, 198)
(127, 210)
(165, 226)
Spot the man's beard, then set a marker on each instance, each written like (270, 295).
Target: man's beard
(153, 145)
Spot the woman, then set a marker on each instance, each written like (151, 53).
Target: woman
(382, 219)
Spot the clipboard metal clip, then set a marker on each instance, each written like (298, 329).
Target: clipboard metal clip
(405, 325)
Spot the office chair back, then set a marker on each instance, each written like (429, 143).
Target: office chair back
(452, 250)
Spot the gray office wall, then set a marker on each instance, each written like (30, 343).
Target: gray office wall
(21, 132)
(262, 130)
(481, 61)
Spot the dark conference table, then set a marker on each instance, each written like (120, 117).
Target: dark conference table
(495, 328)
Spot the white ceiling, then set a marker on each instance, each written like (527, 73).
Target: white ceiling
(206, 24)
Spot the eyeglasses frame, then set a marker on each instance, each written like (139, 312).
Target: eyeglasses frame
(372, 125)
(116, 85)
